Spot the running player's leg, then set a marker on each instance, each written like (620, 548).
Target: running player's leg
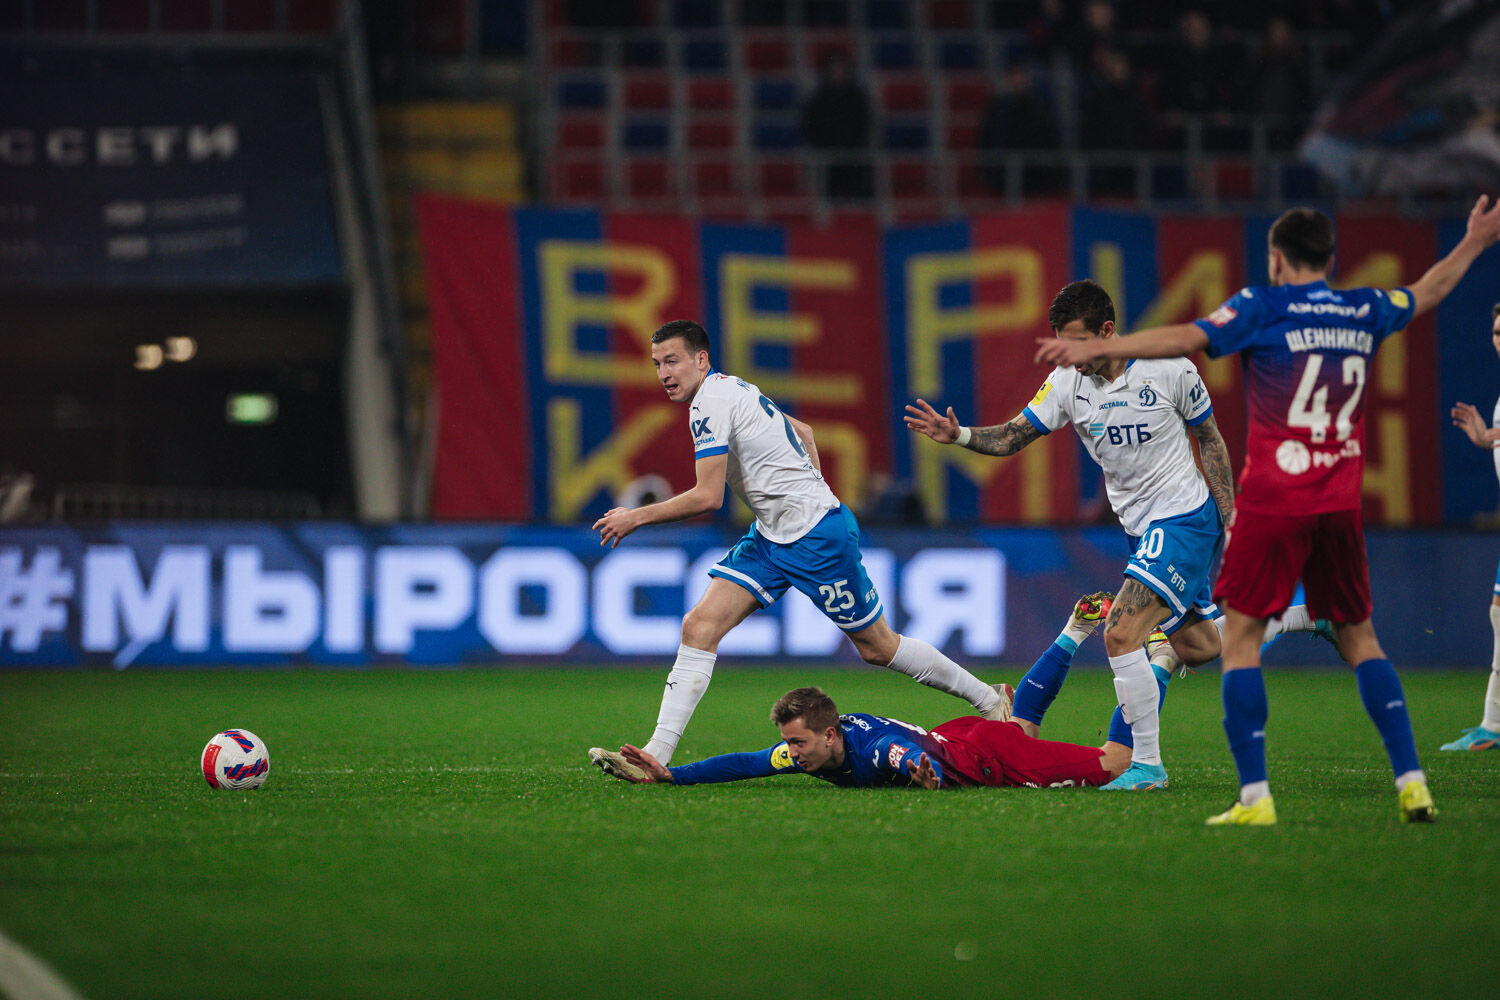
(1038, 689)
(1338, 586)
(1259, 574)
(1487, 735)
(825, 565)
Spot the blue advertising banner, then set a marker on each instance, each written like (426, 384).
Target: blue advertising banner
(257, 594)
(127, 175)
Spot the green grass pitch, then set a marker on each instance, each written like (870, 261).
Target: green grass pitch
(440, 834)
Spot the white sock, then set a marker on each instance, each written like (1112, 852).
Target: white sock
(1492, 693)
(1135, 685)
(1254, 792)
(1294, 619)
(923, 663)
(1402, 780)
(685, 686)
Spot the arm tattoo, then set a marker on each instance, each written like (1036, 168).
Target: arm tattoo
(1216, 470)
(1003, 439)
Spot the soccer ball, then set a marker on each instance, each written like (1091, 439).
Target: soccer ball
(236, 758)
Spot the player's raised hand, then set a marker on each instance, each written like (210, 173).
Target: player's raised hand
(655, 772)
(615, 525)
(922, 418)
(922, 773)
(1467, 419)
(1484, 220)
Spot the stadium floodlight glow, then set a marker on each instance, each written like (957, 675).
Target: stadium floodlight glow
(181, 348)
(148, 357)
(250, 408)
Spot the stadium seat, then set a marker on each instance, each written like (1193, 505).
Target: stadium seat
(888, 13)
(695, 13)
(649, 178)
(1234, 180)
(951, 15)
(239, 15)
(823, 46)
(826, 13)
(580, 132)
(583, 91)
(575, 53)
(1299, 182)
(773, 134)
(782, 178)
(643, 133)
(643, 53)
(1170, 182)
(121, 15)
(958, 54)
(893, 53)
(908, 133)
(704, 55)
(967, 95)
(580, 180)
(714, 179)
(771, 53)
(903, 93)
(963, 136)
(774, 95)
(646, 92)
(911, 179)
(708, 93)
(712, 133)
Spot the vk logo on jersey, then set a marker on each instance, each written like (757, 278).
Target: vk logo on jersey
(700, 427)
(1148, 396)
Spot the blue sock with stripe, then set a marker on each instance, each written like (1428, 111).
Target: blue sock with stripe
(1035, 693)
(1380, 690)
(1119, 729)
(1245, 714)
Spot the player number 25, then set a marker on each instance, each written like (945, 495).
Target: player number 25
(838, 592)
(1310, 404)
(791, 435)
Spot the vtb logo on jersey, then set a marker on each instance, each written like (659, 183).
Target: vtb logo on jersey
(700, 427)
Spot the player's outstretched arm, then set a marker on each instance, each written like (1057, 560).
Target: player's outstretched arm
(1482, 232)
(1176, 341)
(999, 439)
(656, 773)
(922, 774)
(1213, 454)
(705, 496)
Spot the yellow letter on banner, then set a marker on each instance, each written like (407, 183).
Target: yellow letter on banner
(1200, 287)
(929, 327)
(575, 478)
(564, 309)
(745, 326)
(1388, 475)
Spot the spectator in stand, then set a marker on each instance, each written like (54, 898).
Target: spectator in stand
(836, 123)
(1198, 81)
(1017, 118)
(1115, 118)
(1276, 83)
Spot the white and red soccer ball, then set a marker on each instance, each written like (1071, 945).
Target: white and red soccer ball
(236, 758)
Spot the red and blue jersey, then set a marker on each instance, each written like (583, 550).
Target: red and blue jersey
(1305, 351)
(876, 751)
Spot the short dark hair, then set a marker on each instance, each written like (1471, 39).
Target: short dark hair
(1086, 300)
(816, 710)
(1495, 310)
(692, 334)
(1305, 238)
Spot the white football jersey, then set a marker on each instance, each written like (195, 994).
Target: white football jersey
(768, 466)
(1136, 429)
(1495, 422)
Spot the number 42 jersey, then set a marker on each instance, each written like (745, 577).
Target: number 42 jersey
(768, 467)
(1305, 351)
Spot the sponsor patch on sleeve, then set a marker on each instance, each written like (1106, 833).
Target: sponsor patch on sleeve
(781, 758)
(1399, 298)
(894, 755)
(1222, 315)
(1041, 393)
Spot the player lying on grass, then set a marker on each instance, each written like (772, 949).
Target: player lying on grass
(862, 751)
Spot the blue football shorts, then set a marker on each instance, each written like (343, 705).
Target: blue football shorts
(1175, 558)
(824, 564)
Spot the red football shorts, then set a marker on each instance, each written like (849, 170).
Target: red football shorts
(982, 752)
(1268, 553)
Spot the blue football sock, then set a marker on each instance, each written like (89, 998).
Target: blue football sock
(1119, 729)
(1380, 690)
(1039, 687)
(1245, 713)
